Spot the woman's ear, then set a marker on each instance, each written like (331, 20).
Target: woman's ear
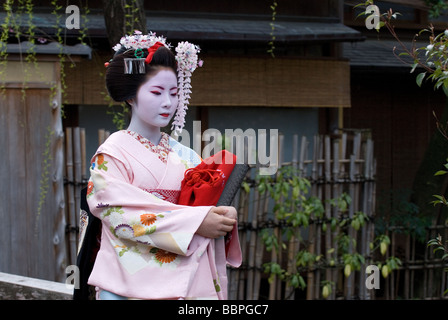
(131, 102)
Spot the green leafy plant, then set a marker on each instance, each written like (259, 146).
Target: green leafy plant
(433, 59)
(293, 212)
(437, 242)
(439, 246)
(436, 7)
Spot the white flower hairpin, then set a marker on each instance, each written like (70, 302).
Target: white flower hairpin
(187, 62)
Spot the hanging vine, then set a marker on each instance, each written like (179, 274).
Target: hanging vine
(131, 11)
(272, 33)
(30, 58)
(44, 182)
(17, 27)
(4, 36)
(62, 57)
(131, 21)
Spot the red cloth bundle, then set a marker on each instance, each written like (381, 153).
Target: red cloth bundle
(203, 184)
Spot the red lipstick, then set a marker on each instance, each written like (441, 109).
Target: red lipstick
(165, 115)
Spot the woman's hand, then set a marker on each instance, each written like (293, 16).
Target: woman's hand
(217, 222)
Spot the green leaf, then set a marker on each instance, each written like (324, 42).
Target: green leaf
(302, 282)
(246, 187)
(151, 230)
(295, 281)
(440, 172)
(380, 25)
(363, 13)
(445, 89)
(420, 78)
(261, 188)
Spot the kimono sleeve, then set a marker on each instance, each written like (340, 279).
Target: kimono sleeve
(132, 214)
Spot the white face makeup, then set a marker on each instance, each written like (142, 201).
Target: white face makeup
(155, 103)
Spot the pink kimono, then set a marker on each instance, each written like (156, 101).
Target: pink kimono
(149, 249)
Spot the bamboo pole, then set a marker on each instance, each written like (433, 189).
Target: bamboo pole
(262, 216)
(367, 208)
(292, 245)
(354, 195)
(84, 173)
(77, 155)
(336, 192)
(348, 280)
(312, 276)
(70, 189)
(253, 233)
(316, 190)
(249, 233)
(277, 230)
(242, 276)
(328, 209)
(276, 256)
(342, 162)
(372, 201)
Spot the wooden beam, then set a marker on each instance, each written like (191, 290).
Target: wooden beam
(15, 287)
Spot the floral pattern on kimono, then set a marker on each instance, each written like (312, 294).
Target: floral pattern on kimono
(149, 249)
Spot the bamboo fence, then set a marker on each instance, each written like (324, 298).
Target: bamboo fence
(423, 273)
(333, 165)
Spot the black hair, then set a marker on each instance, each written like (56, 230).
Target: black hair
(123, 87)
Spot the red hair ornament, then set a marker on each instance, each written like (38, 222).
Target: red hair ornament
(152, 50)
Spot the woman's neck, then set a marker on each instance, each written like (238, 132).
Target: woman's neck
(153, 134)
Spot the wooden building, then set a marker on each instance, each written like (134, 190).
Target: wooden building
(33, 232)
(385, 97)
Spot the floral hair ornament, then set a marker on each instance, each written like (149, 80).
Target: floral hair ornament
(187, 62)
(138, 42)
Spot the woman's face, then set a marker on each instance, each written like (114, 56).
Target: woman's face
(156, 99)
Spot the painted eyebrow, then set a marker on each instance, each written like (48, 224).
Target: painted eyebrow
(162, 88)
